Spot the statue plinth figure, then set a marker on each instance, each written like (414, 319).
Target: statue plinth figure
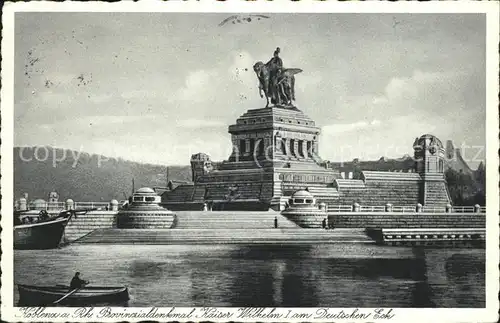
(276, 83)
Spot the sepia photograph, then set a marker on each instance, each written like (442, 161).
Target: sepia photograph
(215, 165)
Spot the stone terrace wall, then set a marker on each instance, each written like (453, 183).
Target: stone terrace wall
(390, 220)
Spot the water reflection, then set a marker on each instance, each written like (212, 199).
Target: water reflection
(271, 275)
(461, 269)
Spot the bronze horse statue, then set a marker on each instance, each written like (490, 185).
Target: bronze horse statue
(281, 89)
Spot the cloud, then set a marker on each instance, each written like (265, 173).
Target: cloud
(392, 138)
(335, 129)
(199, 123)
(97, 121)
(198, 85)
(417, 88)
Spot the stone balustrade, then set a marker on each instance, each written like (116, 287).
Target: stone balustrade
(418, 208)
(472, 237)
(69, 204)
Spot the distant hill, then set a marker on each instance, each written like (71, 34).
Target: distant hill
(83, 176)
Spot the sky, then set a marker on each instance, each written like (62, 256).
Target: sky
(158, 87)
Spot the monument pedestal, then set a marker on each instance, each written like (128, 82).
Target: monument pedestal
(275, 152)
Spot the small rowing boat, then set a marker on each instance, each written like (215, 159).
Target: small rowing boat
(64, 295)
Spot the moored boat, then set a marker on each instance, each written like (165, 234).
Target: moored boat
(40, 231)
(64, 295)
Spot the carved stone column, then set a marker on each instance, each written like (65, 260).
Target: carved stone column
(247, 147)
(304, 149)
(315, 147)
(286, 143)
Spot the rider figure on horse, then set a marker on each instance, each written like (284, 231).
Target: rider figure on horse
(276, 65)
(275, 81)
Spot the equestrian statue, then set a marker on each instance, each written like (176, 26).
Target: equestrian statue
(277, 83)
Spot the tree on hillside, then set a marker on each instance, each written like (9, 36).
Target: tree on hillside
(463, 188)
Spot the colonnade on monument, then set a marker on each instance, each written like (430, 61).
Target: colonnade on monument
(274, 146)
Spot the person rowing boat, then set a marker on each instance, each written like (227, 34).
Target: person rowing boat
(77, 282)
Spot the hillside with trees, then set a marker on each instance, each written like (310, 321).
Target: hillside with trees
(85, 177)
(467, 189)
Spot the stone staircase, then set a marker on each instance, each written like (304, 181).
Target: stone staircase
(377, 192)
(82, 225)
(243, 191)
(199, 193)
(326, 194)
(180, 193)
(225, 236)
(349, 183)
(216, 220)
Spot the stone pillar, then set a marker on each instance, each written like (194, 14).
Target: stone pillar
(235, 142)
(356, 207)
(23, 204)
(477, 208)
(296, 147)
(448, 208)
(253, 143)
(419, 207)
(267, 143)
(286, 144)
(70, 205)
(247, 145)
(388, 207)
(113, 205)
(315, 146)
(235, 152)
(304, 149)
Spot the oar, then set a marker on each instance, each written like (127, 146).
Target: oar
(67, 295)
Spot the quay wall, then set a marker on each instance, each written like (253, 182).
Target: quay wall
(81, 225)
(395, 220)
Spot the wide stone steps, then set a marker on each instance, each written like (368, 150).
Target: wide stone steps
(199, 193)
(207, 236)
(86, 223)
(387, 176)
(380, 194)
(350, 183)
(180, 193)
(251, 191)
(324, 192)
(231, 220)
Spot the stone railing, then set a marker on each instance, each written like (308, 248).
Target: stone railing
(406, 209)
(69, 204)
(47, 206)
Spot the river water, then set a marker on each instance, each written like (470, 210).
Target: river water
(330, 275)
